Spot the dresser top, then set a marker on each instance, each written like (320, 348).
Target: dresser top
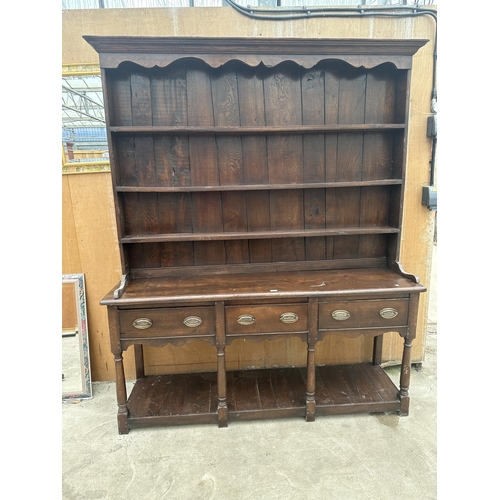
(280, 285)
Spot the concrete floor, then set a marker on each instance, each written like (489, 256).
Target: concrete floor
(358, 457)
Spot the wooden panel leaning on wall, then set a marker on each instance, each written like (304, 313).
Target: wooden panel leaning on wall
(259, 192)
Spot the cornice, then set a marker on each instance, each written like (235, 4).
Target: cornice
(162, 51)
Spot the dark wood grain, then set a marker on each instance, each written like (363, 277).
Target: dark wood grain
(142, 115)
(261, 394)
(347, 282)
(315, 218)
(362, 387)
(169, 95)
(259, 219)
(169, 105)
(287, 213)
(140, 397)
(313, 113)
(150, 45)
(257, 187)
(379, 108)
(120, 97)
(257, 131)
(175, 216)
(126, 156)
(202, 149)
(145, 203)
(177, 254)
(224, 86)
(230, 158)
(265, 390)
(275, 235)
(255, 162)
(282, 96)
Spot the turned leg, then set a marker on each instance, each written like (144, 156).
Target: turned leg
(311, 384)
(312, 338)
(221, 388)
(404, 381)
(121, 389)
(121, 395)
(220, 340)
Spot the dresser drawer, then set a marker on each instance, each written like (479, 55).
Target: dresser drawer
(243, 320)
(340, 315)
(167, 322)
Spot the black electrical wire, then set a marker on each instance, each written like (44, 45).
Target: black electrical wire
(362, 9)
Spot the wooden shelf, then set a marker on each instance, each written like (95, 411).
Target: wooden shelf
(203, 287)
(254, 394)
(354, 388)
(292, 129)
(257, 235)
(257, 187)
(173, 399)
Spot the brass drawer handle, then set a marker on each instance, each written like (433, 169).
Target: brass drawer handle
(388, 313)
(245, 319)
(341, 314)
(142, 323)
(288, 318)
(193, 321)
